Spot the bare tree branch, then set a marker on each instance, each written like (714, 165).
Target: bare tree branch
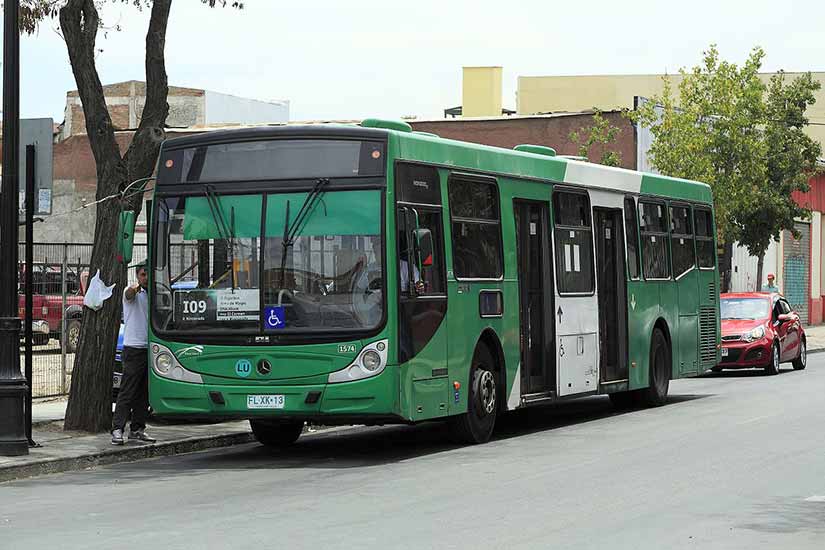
(143, 151)
(79, 21)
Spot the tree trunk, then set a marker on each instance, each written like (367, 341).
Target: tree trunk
(760, 262)
(89, 406)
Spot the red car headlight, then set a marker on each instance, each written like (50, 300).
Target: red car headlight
(755, 334)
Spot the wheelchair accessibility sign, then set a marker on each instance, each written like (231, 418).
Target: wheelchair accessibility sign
(274, 317)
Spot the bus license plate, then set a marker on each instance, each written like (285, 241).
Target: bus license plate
(264, 401)
(724, 352)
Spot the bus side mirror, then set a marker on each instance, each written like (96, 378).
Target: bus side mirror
(125, 236)
(424, 240)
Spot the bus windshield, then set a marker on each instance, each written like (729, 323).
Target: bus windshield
(222, 263)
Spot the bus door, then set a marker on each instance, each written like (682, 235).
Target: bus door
(535, 296)
(612, 292)
(686, 275)
(422, 293)
(575, 310)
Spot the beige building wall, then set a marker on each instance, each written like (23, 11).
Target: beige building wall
(546, 94)
(481, 91)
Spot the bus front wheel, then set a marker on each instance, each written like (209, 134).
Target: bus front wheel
(276, 434)
(660, 360)
(476, 425)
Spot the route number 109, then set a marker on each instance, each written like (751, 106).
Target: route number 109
(194, 306)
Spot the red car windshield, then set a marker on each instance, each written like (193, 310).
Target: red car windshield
(745, 308)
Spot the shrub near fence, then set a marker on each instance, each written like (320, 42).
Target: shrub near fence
(60, 272)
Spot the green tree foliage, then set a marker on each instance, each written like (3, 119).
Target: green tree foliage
(600, 133)
(746, 140)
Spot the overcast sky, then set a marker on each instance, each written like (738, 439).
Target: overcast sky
(353, 59)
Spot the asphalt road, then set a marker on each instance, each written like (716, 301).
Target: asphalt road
(734, 461)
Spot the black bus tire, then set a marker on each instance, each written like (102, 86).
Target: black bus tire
(660, 369)
(276, 434)
(476, 425)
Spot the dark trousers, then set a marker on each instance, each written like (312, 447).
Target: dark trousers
(133, 398)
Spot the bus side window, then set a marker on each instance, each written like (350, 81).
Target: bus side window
(704, 238)
(681, 240)
(654, 231)
(476, 228)
(632, 235)
(425, 263)
(574, 243)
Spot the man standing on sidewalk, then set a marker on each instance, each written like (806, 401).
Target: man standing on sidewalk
(770, 287)
(133, 398)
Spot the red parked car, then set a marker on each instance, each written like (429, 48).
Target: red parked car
(760, 330)
(47, 304)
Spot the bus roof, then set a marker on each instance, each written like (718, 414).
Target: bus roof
(461, 154)
(416, 146)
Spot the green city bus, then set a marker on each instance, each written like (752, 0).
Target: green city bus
(371, 275)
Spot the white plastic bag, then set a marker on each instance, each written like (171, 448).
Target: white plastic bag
(97, 293)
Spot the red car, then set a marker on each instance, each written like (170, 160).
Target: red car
(760, 330)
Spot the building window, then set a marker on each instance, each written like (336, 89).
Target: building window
(476, 228)
(574, 243)
(653, 227)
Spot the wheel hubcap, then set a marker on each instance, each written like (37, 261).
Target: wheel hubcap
(487, 392)
(776, 359)
(803, 356)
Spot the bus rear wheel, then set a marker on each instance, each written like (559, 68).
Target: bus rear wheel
(276, 434)
(660, 360)
(476, 425)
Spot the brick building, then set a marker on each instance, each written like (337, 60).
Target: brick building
(551, 130)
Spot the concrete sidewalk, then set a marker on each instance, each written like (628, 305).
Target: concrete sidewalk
(62, 451)
(815, 335)
(48, 410)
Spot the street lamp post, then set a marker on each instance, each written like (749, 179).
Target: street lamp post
(13, 441)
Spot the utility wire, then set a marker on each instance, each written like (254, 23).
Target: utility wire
(119, 195)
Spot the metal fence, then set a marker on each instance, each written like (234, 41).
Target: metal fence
(60, 273)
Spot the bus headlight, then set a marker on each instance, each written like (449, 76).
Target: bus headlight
(371, 360)
(755, 334)
(163, 362)
(166, 365)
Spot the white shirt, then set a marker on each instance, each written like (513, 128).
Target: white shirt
(136, 320)
(405, 275)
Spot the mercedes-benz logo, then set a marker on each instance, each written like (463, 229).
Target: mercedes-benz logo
(264, 367)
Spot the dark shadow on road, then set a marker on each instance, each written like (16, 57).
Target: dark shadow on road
(784, 516)
(356, 448)
(744, 373)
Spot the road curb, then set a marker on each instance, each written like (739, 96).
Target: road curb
(121, 454)
(819, 350)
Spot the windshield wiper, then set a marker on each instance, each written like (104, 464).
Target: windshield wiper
(291, 230)
(226, 233)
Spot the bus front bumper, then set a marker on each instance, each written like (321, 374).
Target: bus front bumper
(372, 400)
